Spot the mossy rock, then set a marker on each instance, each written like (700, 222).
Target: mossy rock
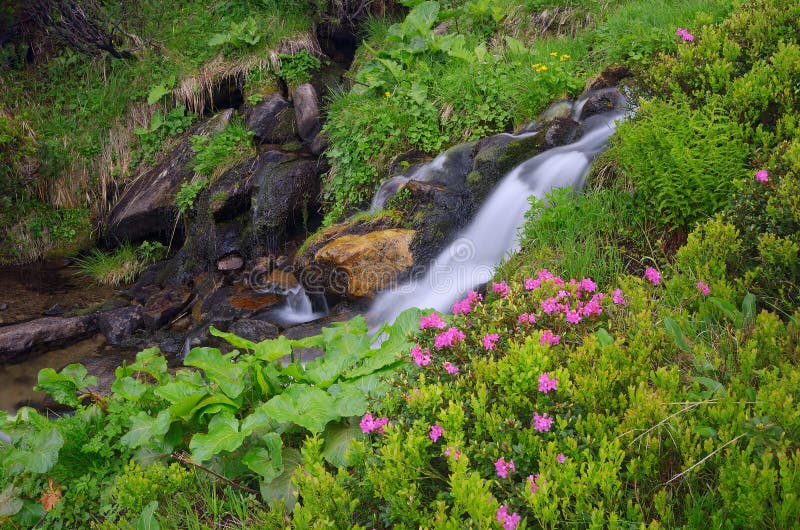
(495, 157)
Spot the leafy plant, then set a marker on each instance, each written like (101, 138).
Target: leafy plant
(188, 193)
(297, 68)
(162, 127)
(216, 153)
(240, 35)
(121, 265)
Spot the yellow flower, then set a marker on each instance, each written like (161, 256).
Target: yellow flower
(536, 66)
(554, 54)
(388, 94)
(542, 68)
(564, 57)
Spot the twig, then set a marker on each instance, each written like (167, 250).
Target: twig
(709, 455)
(184, 458)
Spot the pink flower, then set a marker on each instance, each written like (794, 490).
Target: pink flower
(572, 316)
(762, 175)
(422, 358)
(490, 340)
(452, 451)
(542, 423)
(588, 285)
(561, 458)
(546, 384)
(685, 35)
(369, 424)
(448, 338)
(500, 288)
(531, 284)
(653, 275)
(549, 338)
(617, 297)
(450, 368)
(703, 288)
(436, 432)
(550, 305)
(510, 522)
(434, 320)
(545, 275)
(535, 482)
(502, 467)
(463, 307)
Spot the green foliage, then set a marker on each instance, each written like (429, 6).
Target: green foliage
(122, 265)
(216, 153)
(188, 193)
(296, 69)
(683, 162)
(239, 35)
(162, 127)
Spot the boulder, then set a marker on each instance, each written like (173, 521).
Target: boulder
(601, 101)
(306, 111)
(164, 306)
(369, 262)
(18, 339)
(147, 207)
(254, 330)
(561, 131)
(119, 324)
(272, 120)
(610, 77)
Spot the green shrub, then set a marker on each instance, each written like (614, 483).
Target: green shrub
(122, 265)
(215, 154)
(684, 162)
(162, 127)
(296, 69)
(188, 193)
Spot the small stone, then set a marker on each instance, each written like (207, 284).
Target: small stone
(230, 263)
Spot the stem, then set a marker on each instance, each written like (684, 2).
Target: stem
(709, 455)
(184, 458)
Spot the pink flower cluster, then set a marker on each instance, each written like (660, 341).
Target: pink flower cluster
(544, 275)
(456, 453)
(490, 340)
(549, 338)
(420, 356)
(703, 288)
(526, 318)
(510, 521)
(501, 288)
(542, 423)
(561, 458)
(617, 298)
(546, 384)
(762, 175)
(536, 482)
(450, 368)
(685, 35)
(652, 275)
(369, 424)
(463, 307)
(434, 320)
(448, 338)
(436, 432)
(503, 468)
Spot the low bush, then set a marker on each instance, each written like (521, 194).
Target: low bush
(215, 154)
(122, 265)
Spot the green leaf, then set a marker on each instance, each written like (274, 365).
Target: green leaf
(219, 369)
(215, 403)
(64, 386)
(705, 431)
(281, 492)
(234, 340)
(219, 39)
(604, 338)
(304, 405)
(714, 387)
(675, 331)
(256, 421)
(10, 503)
(340, 354)
(30, 515)
(273, 349)
(338, 439)
(350, 400)
(223, 435)
(41, 453)
(266, 461)
(147, 520)
(727, 309)
(145, 427)
(420, 19)
(749, 308)
(129, 388)
(150, 361)
(156, 93)
(183, 395)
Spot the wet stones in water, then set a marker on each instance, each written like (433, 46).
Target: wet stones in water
(119, 324)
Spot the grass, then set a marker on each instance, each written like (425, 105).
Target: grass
(121, 266)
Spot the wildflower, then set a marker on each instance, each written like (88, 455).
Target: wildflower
(545, 275)
(450, 368)
(436, 432)
(554, 54)
(523, 318)
(536, 482)
(549, 338)
(536, 66)
(456, 453)
(550, 305)
(563, 57)
(388, 94)
(369, 424)
(703, 288)
(422, 358)
(502, 467)
(465, 306)
(546, 384)
(685, 35)
(490, 340)
(434, 320)
(588, 285)
(448, 338)
(500, 288)
(617, 297)
(572, 316)
(531, 284)
(653, 275)
(762, 175)
(542, 423)
(562, 294)
(542, 68)
(561, 458)
(510, 522)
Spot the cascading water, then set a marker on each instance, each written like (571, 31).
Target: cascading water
(298, 307)
(470, 259)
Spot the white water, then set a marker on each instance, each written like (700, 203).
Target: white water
(422, 173)
(470, 259)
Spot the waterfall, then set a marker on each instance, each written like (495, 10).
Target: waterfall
(470, 259)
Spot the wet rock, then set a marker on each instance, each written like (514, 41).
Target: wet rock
(119, 324)
(610, 77)
(19, 339)
(561, 131)
(54, 311)
(164, 306)
(306, 109)
(230, 263)
(605, 100)
(497, 155)
(147, 207)
(251, 302)
(229, 196)
(369, 262)
(320, 144)
(272, 120)
(254, 330)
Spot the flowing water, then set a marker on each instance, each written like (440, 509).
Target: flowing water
(471, 258)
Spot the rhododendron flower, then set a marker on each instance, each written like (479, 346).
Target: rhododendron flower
(703, 288)
(503, 468)
(685, 35)
(546, 384)
(511, 521)
(456, 453)
(450, 368)
(561, 458)
(545, 275)
(652, 275)
(531, 284)
(762, 175)
(436, 432)
(463, 307)
(434, 320)
(535, 482)
(422, 358)
(563, 294)
(369, 424)
(617, 297)
(448, 338)
(572, 316)
(542, 423)
(550, 305)
(588, 285)
(490, 340)
(500, 288)
(549, 338)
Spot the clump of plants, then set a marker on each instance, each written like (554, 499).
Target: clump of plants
(215, 154)
(122, 265)
(297, 68)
